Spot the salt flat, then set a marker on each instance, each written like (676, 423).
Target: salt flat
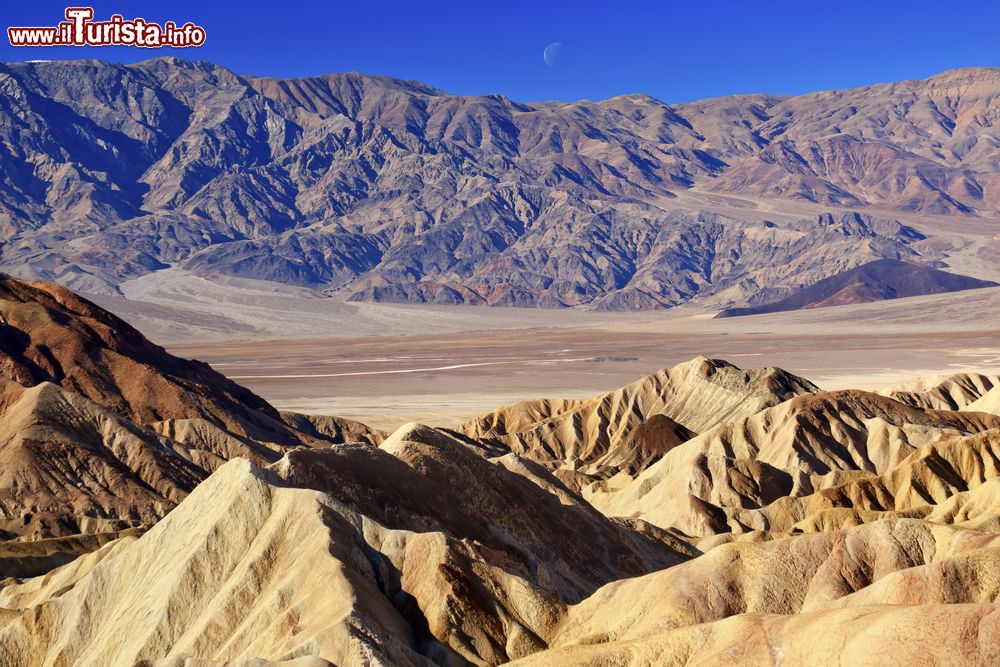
(387, 364)
(447, 378)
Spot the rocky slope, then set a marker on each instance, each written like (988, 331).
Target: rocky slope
(243, 570)
(52, 335)
(248, 567)
(49, 334)
(103, 431)
(955, 392)
(630, 429)
(989, 402)
(409, 553)
(377, 189)
(787, 451)
(703, 514)
(71, 466)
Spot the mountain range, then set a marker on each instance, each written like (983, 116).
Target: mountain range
(155, 512)
(375, 189)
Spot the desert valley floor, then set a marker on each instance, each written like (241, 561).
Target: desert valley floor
(389, 364)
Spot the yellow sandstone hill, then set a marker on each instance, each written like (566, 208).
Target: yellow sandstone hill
(787, 450)
(70, 466)
(702, 515)
(988, 402)
(379, 561)
(632, 427)
(953, 392)
(361, 555)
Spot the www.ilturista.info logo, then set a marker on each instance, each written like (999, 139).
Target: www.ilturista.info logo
(79, 29)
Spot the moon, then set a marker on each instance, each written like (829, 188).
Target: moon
(551, 52)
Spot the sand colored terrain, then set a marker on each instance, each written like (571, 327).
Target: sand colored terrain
(474, 581)
(220, 578)
(703, 514)
(954, 392)
(629, 429)
(71, 466)
(488, 586)
(777, 453)
(971, 392)
(988, 402)
(103, 431)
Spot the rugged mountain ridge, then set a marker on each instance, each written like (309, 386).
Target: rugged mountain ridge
(102, 431)
(376, 189)
(52, 335)
(630, 429)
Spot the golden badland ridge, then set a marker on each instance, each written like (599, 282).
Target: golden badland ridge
(154, 512)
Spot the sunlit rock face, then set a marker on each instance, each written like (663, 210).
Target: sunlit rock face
(375, 189)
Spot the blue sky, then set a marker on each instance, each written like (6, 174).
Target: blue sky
(676, 51)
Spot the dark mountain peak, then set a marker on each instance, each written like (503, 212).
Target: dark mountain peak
(874, 281)
(49, 334)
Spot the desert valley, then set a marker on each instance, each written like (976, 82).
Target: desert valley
(347, 370)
